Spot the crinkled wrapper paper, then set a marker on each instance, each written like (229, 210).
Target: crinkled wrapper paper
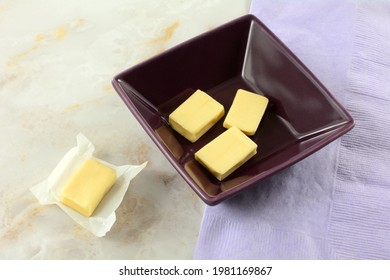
(49, 191)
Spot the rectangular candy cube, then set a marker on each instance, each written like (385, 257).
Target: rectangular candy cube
(226, 153)
(246, 111)
(195, 116)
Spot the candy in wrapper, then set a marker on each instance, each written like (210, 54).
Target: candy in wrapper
(50, 190)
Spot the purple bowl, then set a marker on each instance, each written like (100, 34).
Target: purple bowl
(301, 118)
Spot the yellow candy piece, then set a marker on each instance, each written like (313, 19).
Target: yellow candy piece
(195, 116)
(227, 152)
(88, 186)
(246, 111)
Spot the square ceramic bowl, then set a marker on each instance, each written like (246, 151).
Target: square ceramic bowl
(302, 115)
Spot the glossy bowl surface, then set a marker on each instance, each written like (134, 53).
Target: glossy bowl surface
(302, 115)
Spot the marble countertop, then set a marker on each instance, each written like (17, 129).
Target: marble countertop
(57, 60)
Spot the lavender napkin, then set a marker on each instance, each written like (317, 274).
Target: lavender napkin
(334, 204)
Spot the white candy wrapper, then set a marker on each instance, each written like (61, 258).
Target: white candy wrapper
(101, 221)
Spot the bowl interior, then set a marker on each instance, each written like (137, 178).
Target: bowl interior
(302, 116)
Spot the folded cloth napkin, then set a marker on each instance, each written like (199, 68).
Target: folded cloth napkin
(334, 204)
